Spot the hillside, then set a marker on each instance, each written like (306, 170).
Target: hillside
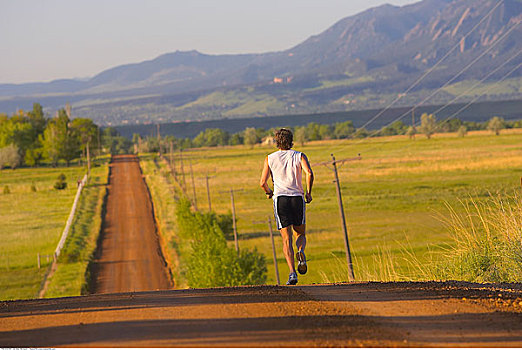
(361, 62)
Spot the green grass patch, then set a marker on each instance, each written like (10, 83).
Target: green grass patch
(163, 191)
(69, 278)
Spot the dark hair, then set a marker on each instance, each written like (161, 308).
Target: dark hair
(284, 139)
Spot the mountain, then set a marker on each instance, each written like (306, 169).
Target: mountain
(362, 61)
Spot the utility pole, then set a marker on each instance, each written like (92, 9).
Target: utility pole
(193, 186)
(341, 209)
(182, 170)
(413, 121)
(99, 143)
(208, 193)
(171, 159)
(159, 139)
(234, 219)
(233, 216)
(88, 158)
(269, 221)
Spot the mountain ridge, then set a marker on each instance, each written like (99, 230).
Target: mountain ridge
(368, 56)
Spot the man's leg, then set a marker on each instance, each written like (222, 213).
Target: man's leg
(288, 249)
(300, 232)
(300, 242)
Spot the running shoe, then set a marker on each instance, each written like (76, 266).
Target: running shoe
(301, 266)
(292, 279)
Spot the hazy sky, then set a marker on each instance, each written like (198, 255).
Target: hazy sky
(42, 40)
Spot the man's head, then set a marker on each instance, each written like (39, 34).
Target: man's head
(284, 139)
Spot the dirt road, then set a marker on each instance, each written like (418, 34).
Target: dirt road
(129, 258)
(350, 315)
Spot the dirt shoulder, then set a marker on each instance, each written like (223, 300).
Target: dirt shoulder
(345, 315)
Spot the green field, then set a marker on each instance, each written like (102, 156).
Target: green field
(395, 198)
(32, 223)
(395, 201)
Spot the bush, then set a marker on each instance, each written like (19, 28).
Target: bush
(33, 188)
(211, 262)
(6, 189)
(60, 183)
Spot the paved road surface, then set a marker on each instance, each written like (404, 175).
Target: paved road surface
(130, 258)
(349, 315)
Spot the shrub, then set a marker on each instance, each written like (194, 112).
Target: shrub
(33, 188)
(6, 190)
(60, 183)
(211, 262)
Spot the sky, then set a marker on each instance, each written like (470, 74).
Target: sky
(43, 40)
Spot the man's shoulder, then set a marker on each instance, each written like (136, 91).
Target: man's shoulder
(272, 154)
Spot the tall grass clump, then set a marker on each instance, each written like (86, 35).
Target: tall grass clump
(487, 241)
(211, 262)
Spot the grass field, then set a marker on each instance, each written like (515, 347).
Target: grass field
(394, 198)
(32, 223)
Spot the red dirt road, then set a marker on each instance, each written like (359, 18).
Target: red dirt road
(346, 315)
(129, 258)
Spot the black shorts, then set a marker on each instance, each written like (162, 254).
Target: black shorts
(289, 210)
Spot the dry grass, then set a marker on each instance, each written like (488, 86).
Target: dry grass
(390, 197)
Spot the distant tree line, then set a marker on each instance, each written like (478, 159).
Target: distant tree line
(315, 131)
(32, 138)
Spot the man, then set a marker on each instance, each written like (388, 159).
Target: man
(285, 166)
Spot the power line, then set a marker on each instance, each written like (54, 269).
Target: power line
(432, 68)
(454, 114)
(465, 106)
(439, 89)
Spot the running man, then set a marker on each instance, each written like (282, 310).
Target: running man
(285, 166)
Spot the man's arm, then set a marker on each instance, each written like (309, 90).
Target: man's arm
(264, 178)
(305, 165)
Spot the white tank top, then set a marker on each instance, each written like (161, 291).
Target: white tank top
(286, 173)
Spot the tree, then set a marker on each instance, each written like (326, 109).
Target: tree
(463, 130)
(396, 128)
(18, 131)
(496, 124)
(236, 139)
(411, 132)
(361, 133)
(250, 137)
(10, 156)
(85, 132)
(211, 138)
(52, 142)
(312, 132)
(59, 141)
(428, 124)
(300, 135)
(37, 118)
(325, 132)
(33, 156)
(344, 130)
